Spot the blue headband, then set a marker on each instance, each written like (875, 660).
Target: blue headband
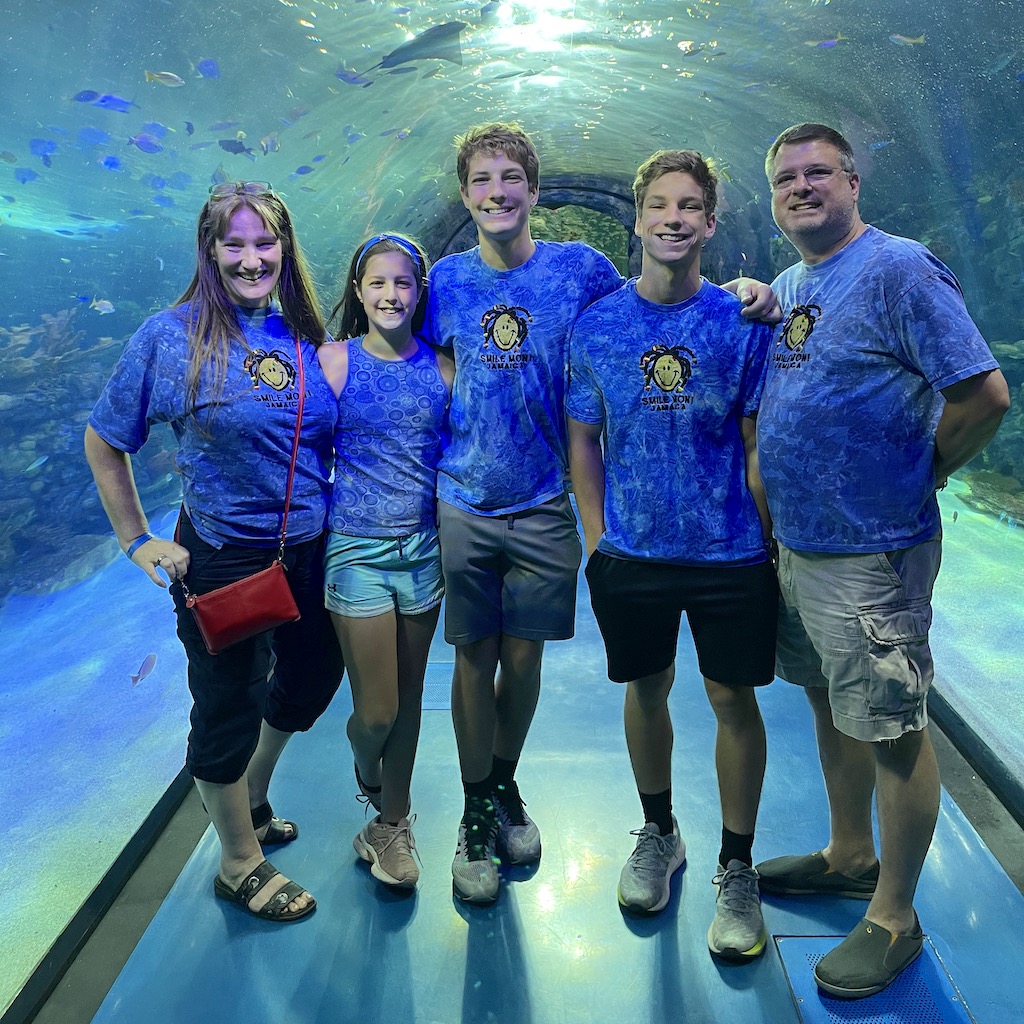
(404, 243)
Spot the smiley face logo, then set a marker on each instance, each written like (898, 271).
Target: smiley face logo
(669, 368)
(270, 368)
(799, 325)
(506, 326)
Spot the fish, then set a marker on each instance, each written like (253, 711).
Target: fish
(304, 169)
(147, 666)
(179, 180)
(156, 129)
(38, 462)
(117, 103)
(189, 128)
(81, 216)
(8, 157)
(825, 44)
(85, 96)
(111, 163)
(207, 68)
(162, 200)
(25, 175)
(1019, 77)
(234, 146)
(689, 47)
(955, 514)
(219, 175)
(440, 42)
(880, 144)
(42, 147)
(168, 78)
(90, 136)
(270, 143)
(102, 306)
(906, 40)
(489, 8)
(147, 143)
(350, 77)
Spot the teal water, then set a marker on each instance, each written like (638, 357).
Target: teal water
(102, 173)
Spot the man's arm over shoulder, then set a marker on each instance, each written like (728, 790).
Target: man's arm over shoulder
(748, 431)
(759, 301)
(974, 408)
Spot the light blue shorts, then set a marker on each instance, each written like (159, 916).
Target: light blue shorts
(366, 576)
(858, 624)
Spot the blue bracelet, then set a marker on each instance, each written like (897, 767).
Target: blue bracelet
(136, 544)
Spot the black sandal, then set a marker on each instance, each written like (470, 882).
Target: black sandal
(279, 829)
(276, 908)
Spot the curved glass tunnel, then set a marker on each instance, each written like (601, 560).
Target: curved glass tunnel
(117, 119)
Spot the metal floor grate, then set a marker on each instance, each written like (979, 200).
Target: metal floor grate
(923, 994)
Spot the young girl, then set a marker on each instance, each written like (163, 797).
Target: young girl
(383, 582)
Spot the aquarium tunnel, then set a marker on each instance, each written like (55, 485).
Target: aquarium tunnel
(116, 121)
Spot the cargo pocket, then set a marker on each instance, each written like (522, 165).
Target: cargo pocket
(899, 659)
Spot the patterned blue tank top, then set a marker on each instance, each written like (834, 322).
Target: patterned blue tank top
(391, 415)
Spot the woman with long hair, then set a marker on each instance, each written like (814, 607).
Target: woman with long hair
(223, 367)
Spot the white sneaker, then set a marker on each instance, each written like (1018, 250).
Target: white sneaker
(737, 932)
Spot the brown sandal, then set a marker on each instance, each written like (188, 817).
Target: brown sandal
(276, 908)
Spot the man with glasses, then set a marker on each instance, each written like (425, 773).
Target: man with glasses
(879, 386)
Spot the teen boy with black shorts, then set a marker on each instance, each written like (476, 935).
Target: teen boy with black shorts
(675, 520)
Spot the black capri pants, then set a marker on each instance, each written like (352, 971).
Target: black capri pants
(286, 676)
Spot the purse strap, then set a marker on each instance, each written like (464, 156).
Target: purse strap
(295, 445)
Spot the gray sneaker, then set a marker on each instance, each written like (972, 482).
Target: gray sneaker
(737, 932)
(644, 884)
(518, 835)
(389, 849)
(475, 867)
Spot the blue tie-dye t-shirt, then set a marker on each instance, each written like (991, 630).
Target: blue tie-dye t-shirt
(233, 463)
(391, 416)
(671, 384)
(846, 432)
(510, 333)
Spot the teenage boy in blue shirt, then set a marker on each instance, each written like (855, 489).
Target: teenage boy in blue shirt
(668, 375)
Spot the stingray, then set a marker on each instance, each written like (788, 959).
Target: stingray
(440, 42)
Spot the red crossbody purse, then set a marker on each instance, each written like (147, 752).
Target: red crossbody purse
(259, 602)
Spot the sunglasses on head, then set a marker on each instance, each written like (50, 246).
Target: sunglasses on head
(241, 188)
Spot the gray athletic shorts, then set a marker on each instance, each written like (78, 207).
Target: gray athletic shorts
(513, 574)
(858, 624)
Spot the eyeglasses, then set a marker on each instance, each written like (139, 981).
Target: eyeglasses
(241, 188)
(817, 175)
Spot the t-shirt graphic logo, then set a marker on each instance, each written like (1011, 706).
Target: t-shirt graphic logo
(271, 368)
(799, 325)
(506, 326)
(669, 368)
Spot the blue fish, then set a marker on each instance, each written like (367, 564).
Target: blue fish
(189, 128)
(25, 175)
(350, 77)
(89, 136)
(111, 163)
(110, 102)
(353, 137)
(42, 147)
(179, 180)
(304, 169)
(1019, 76)
(318, 159)
(207, 67)
(85, 96)
(156, 129)
(147, 666)
(162, 200)
(881, 144)
(146, 143)
(81, 216)
(153, 181)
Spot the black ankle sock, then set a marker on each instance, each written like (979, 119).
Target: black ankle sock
(502, 771)
(736, 847)
(481, 790)
(658, 808)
